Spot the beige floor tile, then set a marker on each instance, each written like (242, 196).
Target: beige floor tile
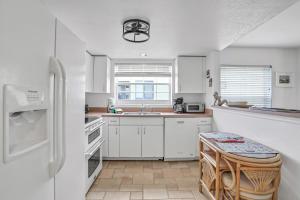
(95, 195)
(105, 164)
(105, 188)
(160, 165)
(172, 186)
(131, 188)
(198, 195)
(117, 196)
(134, 170)
(116, 165)
(155, 194)
(164, 181)
(180, 194)
(143, 178)
(109, 181)
(178, 165)
(147, 179)
(127, 181)
(136, 195)
(106, 173)
(172, 173)
(122, 175)
(154, 187)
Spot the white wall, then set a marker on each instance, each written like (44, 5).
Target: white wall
(273, 131)
(298, 78)
(212, 64)
(282, 60)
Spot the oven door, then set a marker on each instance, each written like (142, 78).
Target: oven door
(92, 136)
(93, 163)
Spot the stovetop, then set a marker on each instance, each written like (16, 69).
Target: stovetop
(88, 120)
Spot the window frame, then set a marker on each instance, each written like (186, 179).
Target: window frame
(270, 97)
(153, 103)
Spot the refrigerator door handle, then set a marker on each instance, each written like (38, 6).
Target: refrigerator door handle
(59, 110)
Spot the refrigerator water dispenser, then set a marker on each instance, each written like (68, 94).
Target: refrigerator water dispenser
(25, 120)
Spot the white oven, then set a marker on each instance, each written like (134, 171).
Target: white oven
(93, 131)
(93, 163)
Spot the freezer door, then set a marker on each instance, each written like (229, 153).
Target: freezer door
(26, 43)
(70, 51)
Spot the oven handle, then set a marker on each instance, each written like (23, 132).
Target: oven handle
(94, 148)
(99, 126)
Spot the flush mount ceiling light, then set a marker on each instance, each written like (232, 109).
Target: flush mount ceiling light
(136, 30)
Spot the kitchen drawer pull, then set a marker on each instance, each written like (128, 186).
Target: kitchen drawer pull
(180, 122)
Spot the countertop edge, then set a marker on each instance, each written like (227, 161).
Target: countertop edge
(163, 115)
(287, 117)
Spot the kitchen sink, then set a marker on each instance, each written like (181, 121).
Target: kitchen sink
(142, 113)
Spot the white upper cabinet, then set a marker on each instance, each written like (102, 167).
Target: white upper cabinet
(190, 74)
(102, 74)
(89, 73)
(98, 74)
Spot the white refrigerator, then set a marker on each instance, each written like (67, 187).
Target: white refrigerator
(41, 156)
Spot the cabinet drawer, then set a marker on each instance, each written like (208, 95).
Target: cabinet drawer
(153, 121)
(204, 121)
(113, 121)
(141, 121)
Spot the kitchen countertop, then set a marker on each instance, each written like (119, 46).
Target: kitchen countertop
(163, 114)
(274, 113)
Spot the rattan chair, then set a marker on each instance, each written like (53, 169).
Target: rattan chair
(250, 181)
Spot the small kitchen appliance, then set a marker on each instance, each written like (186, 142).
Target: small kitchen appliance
(178, 105)
(194, 107)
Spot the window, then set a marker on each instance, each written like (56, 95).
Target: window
(143, 84)
(252, 84)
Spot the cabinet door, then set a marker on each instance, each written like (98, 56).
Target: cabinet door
(190, 75)
(130, 141)
(101, 74)
(179, 138)
(89, 73)
(113, 141)
(106, 139)
(152, 141)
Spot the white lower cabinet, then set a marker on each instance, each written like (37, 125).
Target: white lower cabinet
(105, 137)
(153, 141)
(135, 137)
(149, 137)
(181, 137)
(130, 141)
(113, 141)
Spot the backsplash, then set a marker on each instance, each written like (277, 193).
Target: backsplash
(100, 100)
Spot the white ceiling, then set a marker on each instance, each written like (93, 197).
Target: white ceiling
(178, 27)
(281, 31)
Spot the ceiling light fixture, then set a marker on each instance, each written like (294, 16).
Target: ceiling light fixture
(136, 30)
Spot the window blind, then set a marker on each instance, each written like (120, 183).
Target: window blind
(145, 70)
(252, 84)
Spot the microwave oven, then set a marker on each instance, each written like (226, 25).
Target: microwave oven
(194, 107)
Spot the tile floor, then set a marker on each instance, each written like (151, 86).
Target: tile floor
(124, 180)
